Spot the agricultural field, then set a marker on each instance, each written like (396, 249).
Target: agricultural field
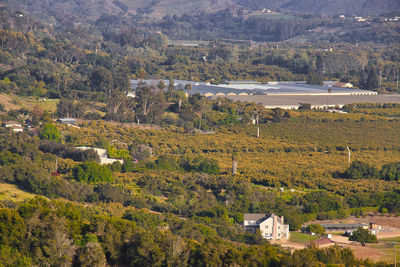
(310, 150)
(174, 176)
(182, 180)
(387, 248)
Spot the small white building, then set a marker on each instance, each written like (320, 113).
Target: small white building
(103, 155)
(15, 126)
(66, 121)
(271, 227)
(373, 231)
(360, 19)
(343, 85)
(131, 94)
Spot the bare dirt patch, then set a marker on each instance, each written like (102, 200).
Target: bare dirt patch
(382, 220)
(392, 234)
(325, 29)
(366, 252)
(288, 244)
(137, 126)
(341, 239)
(7, 102)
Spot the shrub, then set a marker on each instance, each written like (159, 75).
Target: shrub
(50, 132)
(363, 236)
(115, 153)
(164, 163)
(305, 106)
(360, 170)
(314, 228)
(390, 171)
(92, 172)
(200, 164)
(109, 193)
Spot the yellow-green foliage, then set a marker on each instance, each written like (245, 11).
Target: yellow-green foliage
(11, 192)
(115, 153)
(302, 151)
(389, 112)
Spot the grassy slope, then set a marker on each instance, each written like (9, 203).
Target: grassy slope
(11, 102)
(180, 7)
(11, 192)
(302, 238)
(385, 248)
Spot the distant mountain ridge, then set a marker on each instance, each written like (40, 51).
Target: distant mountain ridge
(328, 7)
(93, 9)
(348, 7)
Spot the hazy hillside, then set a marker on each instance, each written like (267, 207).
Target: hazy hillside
(93, 9)
(327, 7)
(348, 7)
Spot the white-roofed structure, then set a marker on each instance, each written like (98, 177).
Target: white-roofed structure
(281, 94)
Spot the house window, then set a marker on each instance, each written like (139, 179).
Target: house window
(266, 227)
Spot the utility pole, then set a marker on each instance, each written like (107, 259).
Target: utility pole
(329, 96)
(234, 164)
(394, 248)
(349, 153)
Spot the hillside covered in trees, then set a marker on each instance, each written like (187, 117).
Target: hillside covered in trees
(180, 203)
(83, 10)
(171, 197)
(297, 21)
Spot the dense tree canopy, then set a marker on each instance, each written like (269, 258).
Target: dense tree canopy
(50, 132)
(91, 172)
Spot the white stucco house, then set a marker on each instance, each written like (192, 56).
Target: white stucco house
(271, 227)
(103, 155)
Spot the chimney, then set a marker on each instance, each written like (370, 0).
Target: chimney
(282, 219)
(275, 227)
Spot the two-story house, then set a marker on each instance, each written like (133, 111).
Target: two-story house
(271, 227)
